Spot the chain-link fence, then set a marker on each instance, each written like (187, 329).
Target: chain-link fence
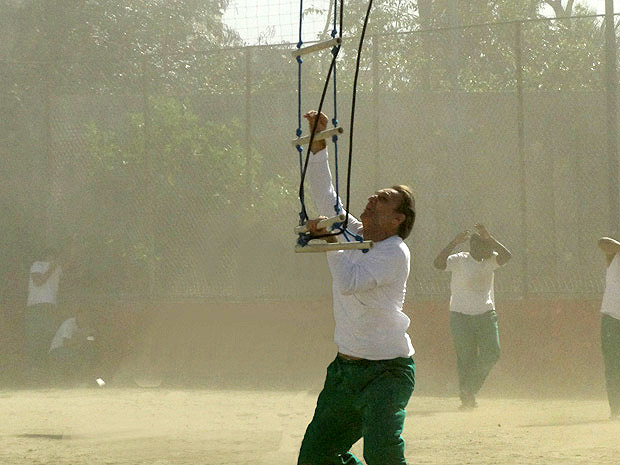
(174, 176)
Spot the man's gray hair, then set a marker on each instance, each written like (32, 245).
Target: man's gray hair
(407, 208)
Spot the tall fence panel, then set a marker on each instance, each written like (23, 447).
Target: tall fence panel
(174, 176)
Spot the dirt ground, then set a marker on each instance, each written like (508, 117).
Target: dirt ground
(114, 426)
(240, 383)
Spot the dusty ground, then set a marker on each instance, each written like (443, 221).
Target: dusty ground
(116, 426)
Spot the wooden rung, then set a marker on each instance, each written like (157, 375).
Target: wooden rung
(318, 136)
(316, 47)
(326, 223)
(329, 247)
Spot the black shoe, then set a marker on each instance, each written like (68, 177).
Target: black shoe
(468, 406)
(468, 402)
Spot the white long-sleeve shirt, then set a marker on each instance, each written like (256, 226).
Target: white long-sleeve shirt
(368, 288)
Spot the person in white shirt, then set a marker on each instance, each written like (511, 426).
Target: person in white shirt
(72, 351)
(610, 324)
(41, 316)
(473, 321)
(369, 383)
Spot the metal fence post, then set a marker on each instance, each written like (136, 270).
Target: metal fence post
(375, 108)
(149, 187)
(248, 120)
(518, 51)
(611, 94)
(455, 32)
(50, 159)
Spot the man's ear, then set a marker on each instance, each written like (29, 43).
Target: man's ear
(399, 218)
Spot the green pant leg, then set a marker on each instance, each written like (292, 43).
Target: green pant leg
(336, 424)
(610, 345)
(384, 402)
(40, 326)
(463, 337)
(487, 340)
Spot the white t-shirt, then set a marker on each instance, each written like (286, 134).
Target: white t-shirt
(66, 331)
(472, 283)
(45, 293)
(611, 298)
(368, 288)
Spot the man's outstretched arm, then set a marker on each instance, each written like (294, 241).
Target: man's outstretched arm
(41, 278)
(319, 176)
(440, 261)
(503, 254)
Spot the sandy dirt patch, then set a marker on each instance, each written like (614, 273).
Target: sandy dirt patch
(113, 426)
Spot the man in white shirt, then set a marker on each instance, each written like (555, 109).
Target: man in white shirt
(41, 318)
(473, 321)
(72, 349)
(610, 324)
(369, 383)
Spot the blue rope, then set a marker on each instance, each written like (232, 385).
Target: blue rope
(342, 227)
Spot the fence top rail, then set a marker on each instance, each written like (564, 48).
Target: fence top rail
(245, 47)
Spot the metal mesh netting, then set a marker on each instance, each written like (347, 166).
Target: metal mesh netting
(174, 176)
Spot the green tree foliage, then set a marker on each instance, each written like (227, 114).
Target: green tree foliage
(170, 184)
(101, 44)
(55, 48)
(101, 29)
(471, 46)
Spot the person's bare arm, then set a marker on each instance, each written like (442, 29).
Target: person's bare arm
(503, 254)
(40, 278)
(319, 178)
(440, 261)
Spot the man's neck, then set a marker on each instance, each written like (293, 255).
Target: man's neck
(377, 236)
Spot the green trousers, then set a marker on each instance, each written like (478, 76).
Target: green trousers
(40, 325)
(476, 340)
(360, 399)
(610, 342)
